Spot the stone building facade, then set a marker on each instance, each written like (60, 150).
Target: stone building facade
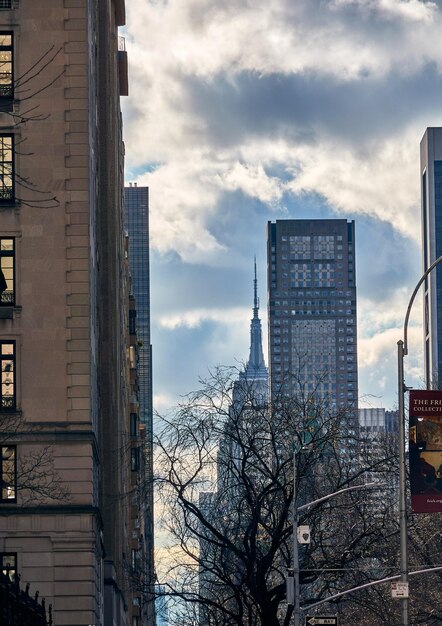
(69, 472)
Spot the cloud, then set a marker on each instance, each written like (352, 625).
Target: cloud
(409, 10)
(194, 318)
(223, 94)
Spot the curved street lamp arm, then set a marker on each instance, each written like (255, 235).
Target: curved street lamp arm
(410, 304)
(373, 485)
(370, 584)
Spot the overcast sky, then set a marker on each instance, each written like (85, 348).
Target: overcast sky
(244, 111)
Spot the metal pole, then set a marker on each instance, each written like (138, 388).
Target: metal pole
(297, 603)
(402, 483)
(373, 583)
(403, 522)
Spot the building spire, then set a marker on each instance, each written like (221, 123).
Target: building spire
(256, 299)
(256, 367)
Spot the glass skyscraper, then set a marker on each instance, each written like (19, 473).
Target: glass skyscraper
(431, 199)
(137, 226)
(312, 309)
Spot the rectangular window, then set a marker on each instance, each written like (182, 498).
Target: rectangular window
(5, 4)
(6, 65)
(132, 357)
(133, 559)
(7, 355)
(134, 459)
(6, 167)
(133, 424)
(9, 564)
(8, 475)
(7, 271)
(132, 322)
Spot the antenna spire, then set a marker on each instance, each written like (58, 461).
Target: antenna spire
(256, 366)
(255, 289)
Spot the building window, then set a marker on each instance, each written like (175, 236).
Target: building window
(7, 271)
(134, 459)
(6, 168)
(7, 353)
(9, 564)
(5, 4)
(132, 357)
(8, 476)
(133, 559)
(133, 424)
(6, 66)
(132, 322)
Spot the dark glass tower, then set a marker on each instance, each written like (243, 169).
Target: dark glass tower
(137, 226)
(312, 309)
(431, 199)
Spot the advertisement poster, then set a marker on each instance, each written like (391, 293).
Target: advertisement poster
(425, 450)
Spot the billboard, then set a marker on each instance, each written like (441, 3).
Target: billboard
(425, 451)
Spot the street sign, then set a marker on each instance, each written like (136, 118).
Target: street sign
(399, 590)
(318, 620)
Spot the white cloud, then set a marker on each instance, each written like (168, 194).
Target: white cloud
(171, 43)
(194, 318)
(381, 182)
(203, 38)
(182, 200)
(252, 180)
(413, 10)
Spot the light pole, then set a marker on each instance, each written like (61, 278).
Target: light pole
(304, 507)
(402, 388)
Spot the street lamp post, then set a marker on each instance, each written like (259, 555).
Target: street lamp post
(402, 388)
(296, 595)
(296, 510)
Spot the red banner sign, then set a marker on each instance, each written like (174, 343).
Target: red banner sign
(425, 450)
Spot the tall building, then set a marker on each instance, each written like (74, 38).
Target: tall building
(431, 199)
(239, 465)
(312, 309)
(67, 518)
(250, 390)
(136, 200)
(136, 221)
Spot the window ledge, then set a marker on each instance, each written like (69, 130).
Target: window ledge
(8, 312)
(9, 204)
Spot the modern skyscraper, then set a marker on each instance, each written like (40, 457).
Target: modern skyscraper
(312, 309)
(137, 225)
(136, 221)
(431, 202)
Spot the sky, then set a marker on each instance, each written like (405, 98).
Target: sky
(245, 111)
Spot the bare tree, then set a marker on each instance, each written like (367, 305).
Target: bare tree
(28, 473)
(225, 460)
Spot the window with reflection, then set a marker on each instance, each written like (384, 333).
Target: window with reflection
(6, 68)
(7, 271)
(6, 168)
(135, 459)
(7, 354)
(9, 564)
(8, 475)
